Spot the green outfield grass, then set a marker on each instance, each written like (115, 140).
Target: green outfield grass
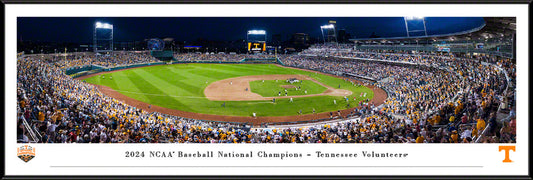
(271, 88)
(181, 86)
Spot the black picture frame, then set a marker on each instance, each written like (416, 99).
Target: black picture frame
(5, 2)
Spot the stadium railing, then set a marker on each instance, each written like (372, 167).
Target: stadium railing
(35, 137)
(480, 136)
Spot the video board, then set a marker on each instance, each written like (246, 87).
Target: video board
(256, 47)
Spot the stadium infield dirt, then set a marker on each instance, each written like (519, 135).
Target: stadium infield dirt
(379, 97)
(238, 89)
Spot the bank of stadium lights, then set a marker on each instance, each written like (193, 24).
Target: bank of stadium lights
(256, 32)
(104, 25)
(329, 26)
(413, 17)
(109, 40)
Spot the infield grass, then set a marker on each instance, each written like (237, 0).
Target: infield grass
(181, 86)
(273, 88)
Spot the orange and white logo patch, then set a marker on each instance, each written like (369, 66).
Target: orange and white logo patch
(26, 153)
(507, 149)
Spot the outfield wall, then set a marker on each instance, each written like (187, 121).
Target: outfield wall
(212, 62)
(78, 69)
(85, 70)
(91, 69)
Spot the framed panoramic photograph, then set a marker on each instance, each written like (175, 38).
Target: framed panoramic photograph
(266, 90)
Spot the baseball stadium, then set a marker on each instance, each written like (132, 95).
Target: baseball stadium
(422, 86)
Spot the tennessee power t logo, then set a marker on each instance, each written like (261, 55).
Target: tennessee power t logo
(26, 153)
(507, 149)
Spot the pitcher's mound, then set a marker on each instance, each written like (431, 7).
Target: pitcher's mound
(288, 86)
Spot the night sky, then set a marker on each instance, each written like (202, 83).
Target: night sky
(80, 29)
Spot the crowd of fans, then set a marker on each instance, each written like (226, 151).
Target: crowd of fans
(375, 71)
(105, 60)
(483, 86)
(449, 100)
(65, 110)
(218, 57)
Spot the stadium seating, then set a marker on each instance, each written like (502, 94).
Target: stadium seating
(432, 98)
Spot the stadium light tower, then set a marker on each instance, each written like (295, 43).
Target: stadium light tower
(414, 18)
(328, 27)
(106, 30)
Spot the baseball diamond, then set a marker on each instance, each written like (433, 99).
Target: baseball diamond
(181, 89)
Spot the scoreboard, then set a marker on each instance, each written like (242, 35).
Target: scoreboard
(256, 47)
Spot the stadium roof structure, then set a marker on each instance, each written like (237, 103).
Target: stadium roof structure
(492, 28)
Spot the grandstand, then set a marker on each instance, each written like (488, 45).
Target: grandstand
(497, 37)
(440, 89)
